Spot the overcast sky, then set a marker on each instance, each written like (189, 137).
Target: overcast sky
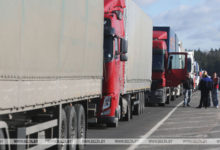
(196, 22)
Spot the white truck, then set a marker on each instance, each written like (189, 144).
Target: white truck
(51, 66)
(191, 66)
(179, 88)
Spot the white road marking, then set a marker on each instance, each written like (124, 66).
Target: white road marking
(189, 118)
(149, 133)
(183, 128)
(191, 122)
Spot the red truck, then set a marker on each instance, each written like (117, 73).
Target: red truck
(169, 66)
(127, 61)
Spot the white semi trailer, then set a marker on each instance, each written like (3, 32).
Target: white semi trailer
(51, 66)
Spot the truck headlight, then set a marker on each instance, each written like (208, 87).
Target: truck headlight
(107, 102)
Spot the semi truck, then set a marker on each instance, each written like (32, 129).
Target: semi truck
(128, 61)
(169, 66)
(191, 66)
(179, 88)
(51, 67)
(197, 76)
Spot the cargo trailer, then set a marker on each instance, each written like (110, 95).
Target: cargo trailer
(51, 67)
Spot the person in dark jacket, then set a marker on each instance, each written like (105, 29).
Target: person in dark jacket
(215, 90)
(188, 86)
(205, 86)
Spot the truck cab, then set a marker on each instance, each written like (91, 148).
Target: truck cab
(114, 58)
(160, 56)
(168, 68)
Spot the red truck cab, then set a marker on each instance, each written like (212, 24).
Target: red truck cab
(168, 69)
(114, 58)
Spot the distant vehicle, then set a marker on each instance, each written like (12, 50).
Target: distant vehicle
(197, 76)
(192, 68)
(169, 66)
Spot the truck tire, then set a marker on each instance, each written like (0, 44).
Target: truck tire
(146, 101)
(71, 126)
(131, 109)
(173, 97)
(143, 102)
(128, 114)
(141, 98)
(2, 136)
(168, 98)
(63, 130)
(137, 109)
(113, 124)
(161, 104)
(119, 113)
(81, 125)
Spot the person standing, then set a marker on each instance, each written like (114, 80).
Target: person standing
(188, 86)
(205, 86)
(215, 90)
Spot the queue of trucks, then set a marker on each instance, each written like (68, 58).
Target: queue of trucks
(64, 63)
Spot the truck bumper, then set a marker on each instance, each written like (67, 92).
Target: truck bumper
(157, 96)
(107, 119)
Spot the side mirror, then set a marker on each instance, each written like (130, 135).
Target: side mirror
(109, 31)
(124, 46)
(123, 57)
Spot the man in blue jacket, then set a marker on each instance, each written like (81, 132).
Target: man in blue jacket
(205, 86)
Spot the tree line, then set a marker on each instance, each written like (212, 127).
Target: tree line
(208, 60)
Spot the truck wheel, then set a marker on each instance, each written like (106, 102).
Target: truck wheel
(119, 113)
(141, 98)
(71, 126)
(146, 101)
(81, 125)
(2, 137)
(63, 131)
(128, 114)
(168, 99)
(173, 97)
(161, 104)
(143, 102)
(137, 109)
(131, 109)
(114, 124)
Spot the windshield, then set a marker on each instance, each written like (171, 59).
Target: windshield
(108, 48)
(176, 61)
(189, 64)
(158, 62)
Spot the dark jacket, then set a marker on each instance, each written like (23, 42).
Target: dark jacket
(215, 83)
(205, 84)
(188, 83)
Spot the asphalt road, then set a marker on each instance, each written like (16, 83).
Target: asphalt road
(169, 122)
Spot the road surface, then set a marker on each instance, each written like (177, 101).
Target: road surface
(170, 122)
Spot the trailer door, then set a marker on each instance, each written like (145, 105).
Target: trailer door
(176, 68)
